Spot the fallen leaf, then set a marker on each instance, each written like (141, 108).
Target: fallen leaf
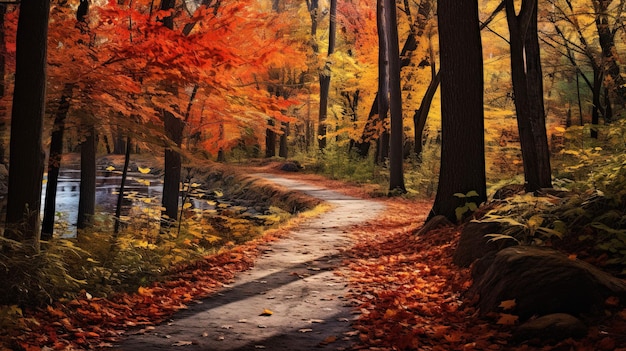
(329, 340)
(305, 330)
(507, 304)
(266, 312)
(507, 319)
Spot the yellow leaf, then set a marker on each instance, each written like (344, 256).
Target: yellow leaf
(507, 319)
(110, 168)
(507, 304)
(144, 170)
(144, 291)
(266, 312)
(186, 205)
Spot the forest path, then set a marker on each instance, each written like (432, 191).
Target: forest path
(295, 278)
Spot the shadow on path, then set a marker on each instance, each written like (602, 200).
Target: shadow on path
(295, 278)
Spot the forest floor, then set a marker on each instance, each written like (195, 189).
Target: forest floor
(356, 277)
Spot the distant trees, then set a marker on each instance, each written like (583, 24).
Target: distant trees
(462, 117)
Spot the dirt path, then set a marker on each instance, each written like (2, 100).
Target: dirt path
(294, 278)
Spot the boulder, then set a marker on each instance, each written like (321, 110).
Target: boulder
(474, 245)
(542, 281)
(550, 328)
(290, 167)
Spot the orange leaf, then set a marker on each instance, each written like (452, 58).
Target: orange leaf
(507, 319)
(507, 304)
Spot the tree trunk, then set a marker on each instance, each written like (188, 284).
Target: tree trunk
(87, 197)
(54, 162)
(173, 163)
(410, 45)
(396, 152)
(270, 140)
(120, 196)
(3, 114)
(524, 105)
(174, 131)
(283, 150)
(595, 107)
(462, 116)
(420, 116)
(383, 83)
(606, 37)
(26, 169)
(324, 77)
(534, 81)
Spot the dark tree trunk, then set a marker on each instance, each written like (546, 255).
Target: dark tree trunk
(324, 77)
(270, 140)
(174, 130)
(120, 196)
(3, 114)
(396, 145)
(462, 116)
(54, 162)
(534, 76)
(595, 106)
(410, 45)
(26, 168)
(606, 36)
(283, 150)
(608, 109)
(173, 163)
(421, 115)
(119, 144)
(87, 197)
(528, 92)
(383, 83)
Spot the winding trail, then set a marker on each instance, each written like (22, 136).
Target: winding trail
(294, 278)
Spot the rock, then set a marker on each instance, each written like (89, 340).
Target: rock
(292, 166)
(508, 191)
(474, 245)
(550, 328)
(542, 281)
(437, 221)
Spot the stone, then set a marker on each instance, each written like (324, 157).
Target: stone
(542, 281)
(550, 328)
(474, 245)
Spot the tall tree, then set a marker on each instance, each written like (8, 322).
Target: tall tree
(87, 188)
(54, 162)
(391, 63)
(174, 130)
(26, 169)
(528, 91)
(462, 115)
(325, 75)
(3, 52)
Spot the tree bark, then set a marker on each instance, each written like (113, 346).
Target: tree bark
(87, 197)
(54, 162)
(3, 114)
(270, 140)
(26, 168)
(462, 115)
(606, 36)
(173, 167)
(528, 93)
(120, 196)
(396, 152)
(421, 115)
(324, 77)
(283, 150)
(410, 45)
(174, 130)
